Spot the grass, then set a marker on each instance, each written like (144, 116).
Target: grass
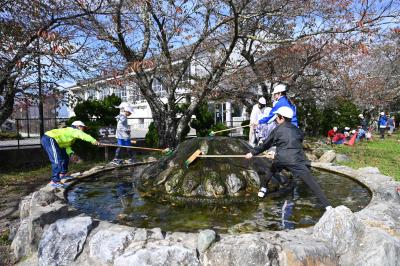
(23, 176)
(383, 154)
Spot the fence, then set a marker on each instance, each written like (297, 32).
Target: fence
(28, 130)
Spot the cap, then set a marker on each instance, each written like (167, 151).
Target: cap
(279, 88)
(128, 109)
(285, 112)
(78, 124)
(361, 116)
(262, 100)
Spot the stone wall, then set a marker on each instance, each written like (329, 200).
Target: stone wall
(52, 233)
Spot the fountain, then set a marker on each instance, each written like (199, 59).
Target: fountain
(218, 193)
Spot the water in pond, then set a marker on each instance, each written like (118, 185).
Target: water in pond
(112, 196)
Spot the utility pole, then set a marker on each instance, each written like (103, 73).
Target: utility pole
(41, 122)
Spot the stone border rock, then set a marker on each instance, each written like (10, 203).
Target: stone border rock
(52, 233)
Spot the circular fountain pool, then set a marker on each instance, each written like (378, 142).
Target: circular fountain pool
(114, 197)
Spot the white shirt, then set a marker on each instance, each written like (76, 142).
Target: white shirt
(257, 113)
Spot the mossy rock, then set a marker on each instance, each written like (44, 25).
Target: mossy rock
(206, 177)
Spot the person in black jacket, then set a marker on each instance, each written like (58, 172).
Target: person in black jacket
(289, 154)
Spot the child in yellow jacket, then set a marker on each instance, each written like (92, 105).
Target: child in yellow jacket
(57, 144)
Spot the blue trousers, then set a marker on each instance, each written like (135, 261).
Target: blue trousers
(58, 157)
(123, 142)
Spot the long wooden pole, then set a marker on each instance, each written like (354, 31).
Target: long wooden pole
(133, 147)
(229, 129)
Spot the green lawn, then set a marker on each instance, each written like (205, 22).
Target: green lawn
(384, 154)
(24, 176)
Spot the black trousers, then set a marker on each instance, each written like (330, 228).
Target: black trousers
(299, 170)
(382, 131)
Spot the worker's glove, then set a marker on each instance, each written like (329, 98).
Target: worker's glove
(248, 155)
(271, 154)
(97, 143)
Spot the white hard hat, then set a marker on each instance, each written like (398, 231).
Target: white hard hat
(78, 124)
(361, 116)
(382, 113)
(262, 100)
(122, 105)
(285, 112)
(334, 128)
(353, 131)
(346, 128)
(279, 88)
(128, 109)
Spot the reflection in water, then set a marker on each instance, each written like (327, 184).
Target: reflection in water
(114, 197)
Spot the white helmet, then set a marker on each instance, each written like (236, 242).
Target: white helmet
(128, 109)
(122, 105)
(262, 101)
(285, 112)
(78, 124)
(279, 88)
(347, 128)
(361, 116)
(382, 113)
(353, 131)
(335, 129)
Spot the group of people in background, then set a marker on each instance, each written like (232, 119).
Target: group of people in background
(386, 123)
(363, 130)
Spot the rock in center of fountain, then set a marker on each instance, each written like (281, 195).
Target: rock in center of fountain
(205, 177)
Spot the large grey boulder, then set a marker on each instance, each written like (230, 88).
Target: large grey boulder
(340, 227)
(20, 244)
(158, 253)
(341, 158)
(109, 243)
(24, 207)
(63, 241)
(328, 157)
(233, 184)
(240, 250)
(376, 248)
(40, 217)
(205, 239)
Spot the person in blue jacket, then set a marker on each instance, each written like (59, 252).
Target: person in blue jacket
(382, 124)
(280, 100)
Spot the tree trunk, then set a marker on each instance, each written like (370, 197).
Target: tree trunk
(7, 104)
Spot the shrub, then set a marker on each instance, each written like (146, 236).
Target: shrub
(151, 138)
(9, 135)
(246, 130)
(203, 121)
(220, 126)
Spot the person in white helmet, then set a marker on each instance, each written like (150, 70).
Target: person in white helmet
(289, 154)
(123, 134)
(382, 124)
(259, 111)
(280, 100)
(57, 144)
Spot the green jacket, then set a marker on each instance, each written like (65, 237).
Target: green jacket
(65, 137)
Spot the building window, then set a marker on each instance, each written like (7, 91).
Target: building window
(121, 93)
(104, 92)
(158, 87)
(91, 94)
